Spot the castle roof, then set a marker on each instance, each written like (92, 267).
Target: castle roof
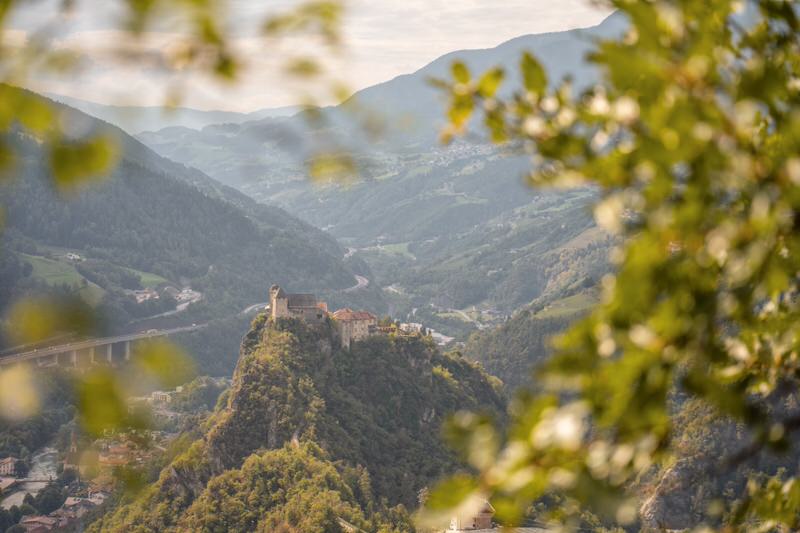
(347, 315)
(294, 300)
(279, 292)
(302, 300)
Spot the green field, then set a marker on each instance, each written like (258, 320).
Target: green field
(53, 272)
(61, 273)
(398, 249)
(569, 305)
(148, 279)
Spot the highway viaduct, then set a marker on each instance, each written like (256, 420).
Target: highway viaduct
(90, 351)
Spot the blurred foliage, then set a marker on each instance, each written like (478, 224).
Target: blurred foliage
(205, 45)
(692, 138)
(102, 393)
(45, 393)
(36, 319)
(18, 397)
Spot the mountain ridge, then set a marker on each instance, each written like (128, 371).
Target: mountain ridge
(136, 119)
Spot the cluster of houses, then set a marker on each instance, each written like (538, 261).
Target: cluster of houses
(8, 466)
(9, 473)
(183, 295)
(106, 454)
(159, 402)
(68, 516)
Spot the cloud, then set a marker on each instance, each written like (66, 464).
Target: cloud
(384, 38)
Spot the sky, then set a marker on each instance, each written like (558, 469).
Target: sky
(382, 39)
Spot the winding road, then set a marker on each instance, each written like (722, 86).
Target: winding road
(254, 307)
(361, 283)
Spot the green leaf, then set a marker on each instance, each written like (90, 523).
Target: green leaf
(533, 75)
(101, 402)
(7, 160)
(451, 492)
(77, 163)
(36, 114)
(332, 166)
(490, 82)
(163, 363)
(34, 319)
(460, 72)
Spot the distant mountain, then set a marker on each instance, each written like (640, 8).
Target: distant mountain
(137, 119)
(445, 228)
(312, 434)
(268, 151)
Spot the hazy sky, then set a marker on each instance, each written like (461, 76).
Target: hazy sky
(384, 38)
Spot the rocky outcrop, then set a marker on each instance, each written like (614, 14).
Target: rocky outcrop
(376, 408)
(672, 505)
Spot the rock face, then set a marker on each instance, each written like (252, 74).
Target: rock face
(705, 443)
(373, 411)
(671, 506)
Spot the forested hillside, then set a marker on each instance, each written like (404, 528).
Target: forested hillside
(155, 223)
(514, 350)
(312, 434)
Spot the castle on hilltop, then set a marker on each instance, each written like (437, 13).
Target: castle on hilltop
(305, 306)
(354, 325)
(351, 325)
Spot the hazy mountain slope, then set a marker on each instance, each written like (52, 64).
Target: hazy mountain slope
(375, 409)
(272, 150)
(136, 119)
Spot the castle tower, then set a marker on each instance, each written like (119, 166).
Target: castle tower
(303, 306)
(279, 303)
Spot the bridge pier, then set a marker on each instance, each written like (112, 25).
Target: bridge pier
(73, 358)
(109, 354)
(127, 350)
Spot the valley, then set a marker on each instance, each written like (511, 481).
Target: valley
(446, 229)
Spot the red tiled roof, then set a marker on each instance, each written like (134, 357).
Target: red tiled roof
(348, 315)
